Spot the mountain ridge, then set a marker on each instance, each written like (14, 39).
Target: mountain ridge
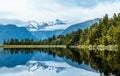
(40, 34)
(81, 25)
(12, 31)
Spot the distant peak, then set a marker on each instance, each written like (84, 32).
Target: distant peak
(37, 26)
(58, 21)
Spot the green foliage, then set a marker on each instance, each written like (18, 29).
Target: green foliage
(106, 32)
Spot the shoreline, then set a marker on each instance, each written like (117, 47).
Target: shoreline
(90, 47)
(32, 46)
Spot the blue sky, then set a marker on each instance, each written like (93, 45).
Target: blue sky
(47, 10)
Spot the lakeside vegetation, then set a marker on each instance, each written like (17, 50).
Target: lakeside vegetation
(105, 32)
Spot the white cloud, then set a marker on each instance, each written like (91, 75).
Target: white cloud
(57, 27)
(48, 10)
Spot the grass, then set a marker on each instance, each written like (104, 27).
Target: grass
(33, 46)
(90, 47)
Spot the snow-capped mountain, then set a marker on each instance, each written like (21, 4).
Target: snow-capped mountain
(32, 25)
(37, 26)
(44, 30)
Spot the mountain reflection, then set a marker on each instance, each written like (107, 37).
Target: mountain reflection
(105, 62)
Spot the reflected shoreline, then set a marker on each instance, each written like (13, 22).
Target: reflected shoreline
(90, 47)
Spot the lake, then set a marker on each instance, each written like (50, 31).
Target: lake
(59, 62)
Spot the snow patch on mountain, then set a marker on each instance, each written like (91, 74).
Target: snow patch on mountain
(51, 25)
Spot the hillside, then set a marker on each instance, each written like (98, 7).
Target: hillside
(12, 31)
(45, 34)
(82, 25)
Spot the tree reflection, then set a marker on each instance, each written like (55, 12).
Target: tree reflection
(105, 62)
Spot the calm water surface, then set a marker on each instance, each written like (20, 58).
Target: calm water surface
(59, 62)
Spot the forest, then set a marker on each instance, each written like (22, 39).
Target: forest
(105, 32)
